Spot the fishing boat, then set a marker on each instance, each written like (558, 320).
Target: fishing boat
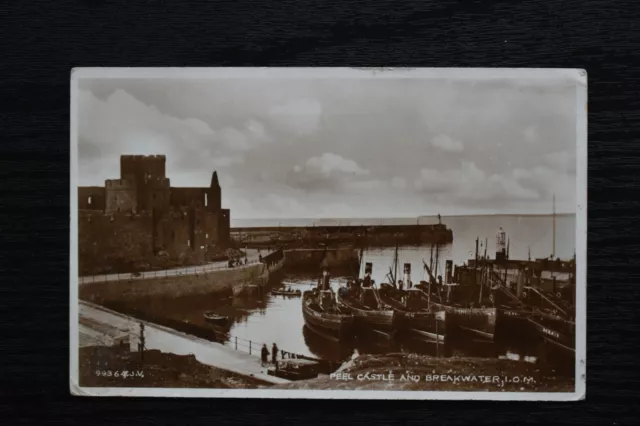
(555, 330)
(216, 319)
(287, 292)
(370, 314)
(415, 316)
(455, 300)
(322, 315)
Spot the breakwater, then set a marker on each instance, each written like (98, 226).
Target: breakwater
(291, 237)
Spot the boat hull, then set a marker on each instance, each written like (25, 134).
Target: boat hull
(478, 322)
(337, 326)
(557, 332)
(429, 325)
(419, 324)
(380, 320)
(512, 322)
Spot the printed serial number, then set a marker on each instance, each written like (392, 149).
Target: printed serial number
(125, 374)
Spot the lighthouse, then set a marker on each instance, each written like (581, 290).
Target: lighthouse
(501, 245)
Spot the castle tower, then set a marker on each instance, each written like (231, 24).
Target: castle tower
(213, 197)
(146, 174)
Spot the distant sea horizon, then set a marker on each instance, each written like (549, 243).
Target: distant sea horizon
(370, 221)
(529, 235)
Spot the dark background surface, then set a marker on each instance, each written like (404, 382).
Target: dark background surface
(42, 40)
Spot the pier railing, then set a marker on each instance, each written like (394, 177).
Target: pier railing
(272, 257)
(253, 347)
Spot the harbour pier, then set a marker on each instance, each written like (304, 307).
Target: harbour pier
(171, 341)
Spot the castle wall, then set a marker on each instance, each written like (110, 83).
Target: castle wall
(211, 228)
(118, 240)
(224, 226)
(176, 237)
(91, 198)
(156, 194)
(188, 196)
(120, 195)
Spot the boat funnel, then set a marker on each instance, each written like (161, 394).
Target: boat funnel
(448, 271)
(368, 268)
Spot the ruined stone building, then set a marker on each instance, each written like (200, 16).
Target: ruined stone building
(140, 218)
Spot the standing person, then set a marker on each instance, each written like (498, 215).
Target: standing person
(400, 285)
(264, 354)
(274, 353)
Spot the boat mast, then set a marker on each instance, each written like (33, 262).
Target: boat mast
(436, 265)
(553, 253)
(486, 243)
(431, 259)
(395, 267)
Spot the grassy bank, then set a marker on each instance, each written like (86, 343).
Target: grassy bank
(99, 365)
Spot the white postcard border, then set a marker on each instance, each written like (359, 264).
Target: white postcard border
(576, 75)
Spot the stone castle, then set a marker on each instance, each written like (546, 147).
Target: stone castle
(140, 221)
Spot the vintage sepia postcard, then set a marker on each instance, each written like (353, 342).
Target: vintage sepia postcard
(328, 233)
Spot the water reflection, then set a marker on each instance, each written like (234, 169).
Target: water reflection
(267, 318)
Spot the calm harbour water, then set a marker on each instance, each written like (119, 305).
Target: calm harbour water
(279, 319)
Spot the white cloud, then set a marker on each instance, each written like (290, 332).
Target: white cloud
(471, 184)
(301, 117)
(121, 124)
(328, 164)
(446, 143)
(564, 161)
(549, 182)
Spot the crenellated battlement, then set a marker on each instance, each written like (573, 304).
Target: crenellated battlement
(123, 184)
(143, 158)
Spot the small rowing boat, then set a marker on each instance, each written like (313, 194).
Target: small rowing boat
(214, 318)
(287, 292)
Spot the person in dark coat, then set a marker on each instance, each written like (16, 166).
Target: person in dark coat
(264, 354)
(274, 353)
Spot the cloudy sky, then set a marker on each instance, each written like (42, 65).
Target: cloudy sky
(367, 147)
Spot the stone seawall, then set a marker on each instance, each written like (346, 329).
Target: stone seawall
(340, 236)
(217, 281)
(311, 260)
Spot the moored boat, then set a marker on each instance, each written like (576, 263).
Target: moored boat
(559, 332)
(369, 313)
(288, 292)
(216, 319)
(415, 318)
(321, 313)
(480, 322)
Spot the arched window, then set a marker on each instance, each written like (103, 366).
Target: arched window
(206, 200)
(89, 200)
